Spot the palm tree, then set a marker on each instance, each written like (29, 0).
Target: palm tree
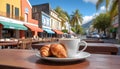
(99, 2)
(76, 18)
(62, 14)
(115, 6)
(75, 21)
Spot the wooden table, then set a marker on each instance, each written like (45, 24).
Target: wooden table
(103, 48)
(6, 44)
(39, 45)
(93, 41)
(14, 43)
(26, 59)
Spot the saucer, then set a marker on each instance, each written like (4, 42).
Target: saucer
(81, 56)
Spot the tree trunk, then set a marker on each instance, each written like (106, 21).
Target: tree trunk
(119, 20)
(98, 30)
(104, 31)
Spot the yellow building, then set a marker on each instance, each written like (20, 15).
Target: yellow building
(10, 8)
(10, 16)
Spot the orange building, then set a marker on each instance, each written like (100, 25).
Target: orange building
(16, 19)
(26, 12)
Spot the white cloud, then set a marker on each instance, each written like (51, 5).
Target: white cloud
(86, 19)
(91, 1)
(102, 8)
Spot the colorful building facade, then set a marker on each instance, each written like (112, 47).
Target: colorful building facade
(55, 21)
(26, 12)
(41, 13)
(16, 19)
(10, 19)
(48, 18)
(114, 32)
(10, 8)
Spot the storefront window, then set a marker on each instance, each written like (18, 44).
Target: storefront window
(8, 33)
(28, 34)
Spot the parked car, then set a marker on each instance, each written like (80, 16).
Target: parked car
(103, 36)
(93, 35)
(88, 36)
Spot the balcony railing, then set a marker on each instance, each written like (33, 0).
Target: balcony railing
(4, 14)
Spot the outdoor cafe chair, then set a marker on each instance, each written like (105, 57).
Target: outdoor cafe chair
(25, 43)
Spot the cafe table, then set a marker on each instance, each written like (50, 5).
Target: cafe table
(100, 48)
(93, 41)
(6, 44)
(27, 59)
(103, 48)
(14, 43)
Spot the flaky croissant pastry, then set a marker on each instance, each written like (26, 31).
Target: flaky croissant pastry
(45, 51)
(58, 50)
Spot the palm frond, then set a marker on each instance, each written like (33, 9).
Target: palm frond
(107, 4)
(114, 8)
(76, 17)
(99, 2)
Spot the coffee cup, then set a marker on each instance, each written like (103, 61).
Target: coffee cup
(72, 46)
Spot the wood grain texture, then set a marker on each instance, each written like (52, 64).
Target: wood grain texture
(26, 59)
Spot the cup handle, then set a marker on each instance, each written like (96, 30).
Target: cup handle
(85, 45)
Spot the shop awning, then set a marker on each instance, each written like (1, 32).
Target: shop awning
(33, 28)
(58, 31)
(49, 31)
(13, 25)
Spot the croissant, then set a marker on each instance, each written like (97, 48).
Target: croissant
(45, 51)
(58, 50)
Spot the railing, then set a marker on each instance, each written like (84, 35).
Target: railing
(4, 14)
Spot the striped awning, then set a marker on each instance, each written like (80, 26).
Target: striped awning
(48, 30)
(33, 28)
(10, 25)
(58, 31)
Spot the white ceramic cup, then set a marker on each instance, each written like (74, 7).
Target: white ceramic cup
(72, 46)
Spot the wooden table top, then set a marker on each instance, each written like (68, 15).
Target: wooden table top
(39, 45)
(8, 43)
(25, 59)
(102, 48)
(101, 44)
(89, 44)
(93, 41)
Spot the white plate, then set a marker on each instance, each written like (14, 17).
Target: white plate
(82, 56)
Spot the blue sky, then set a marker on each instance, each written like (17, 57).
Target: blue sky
(86, 7)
